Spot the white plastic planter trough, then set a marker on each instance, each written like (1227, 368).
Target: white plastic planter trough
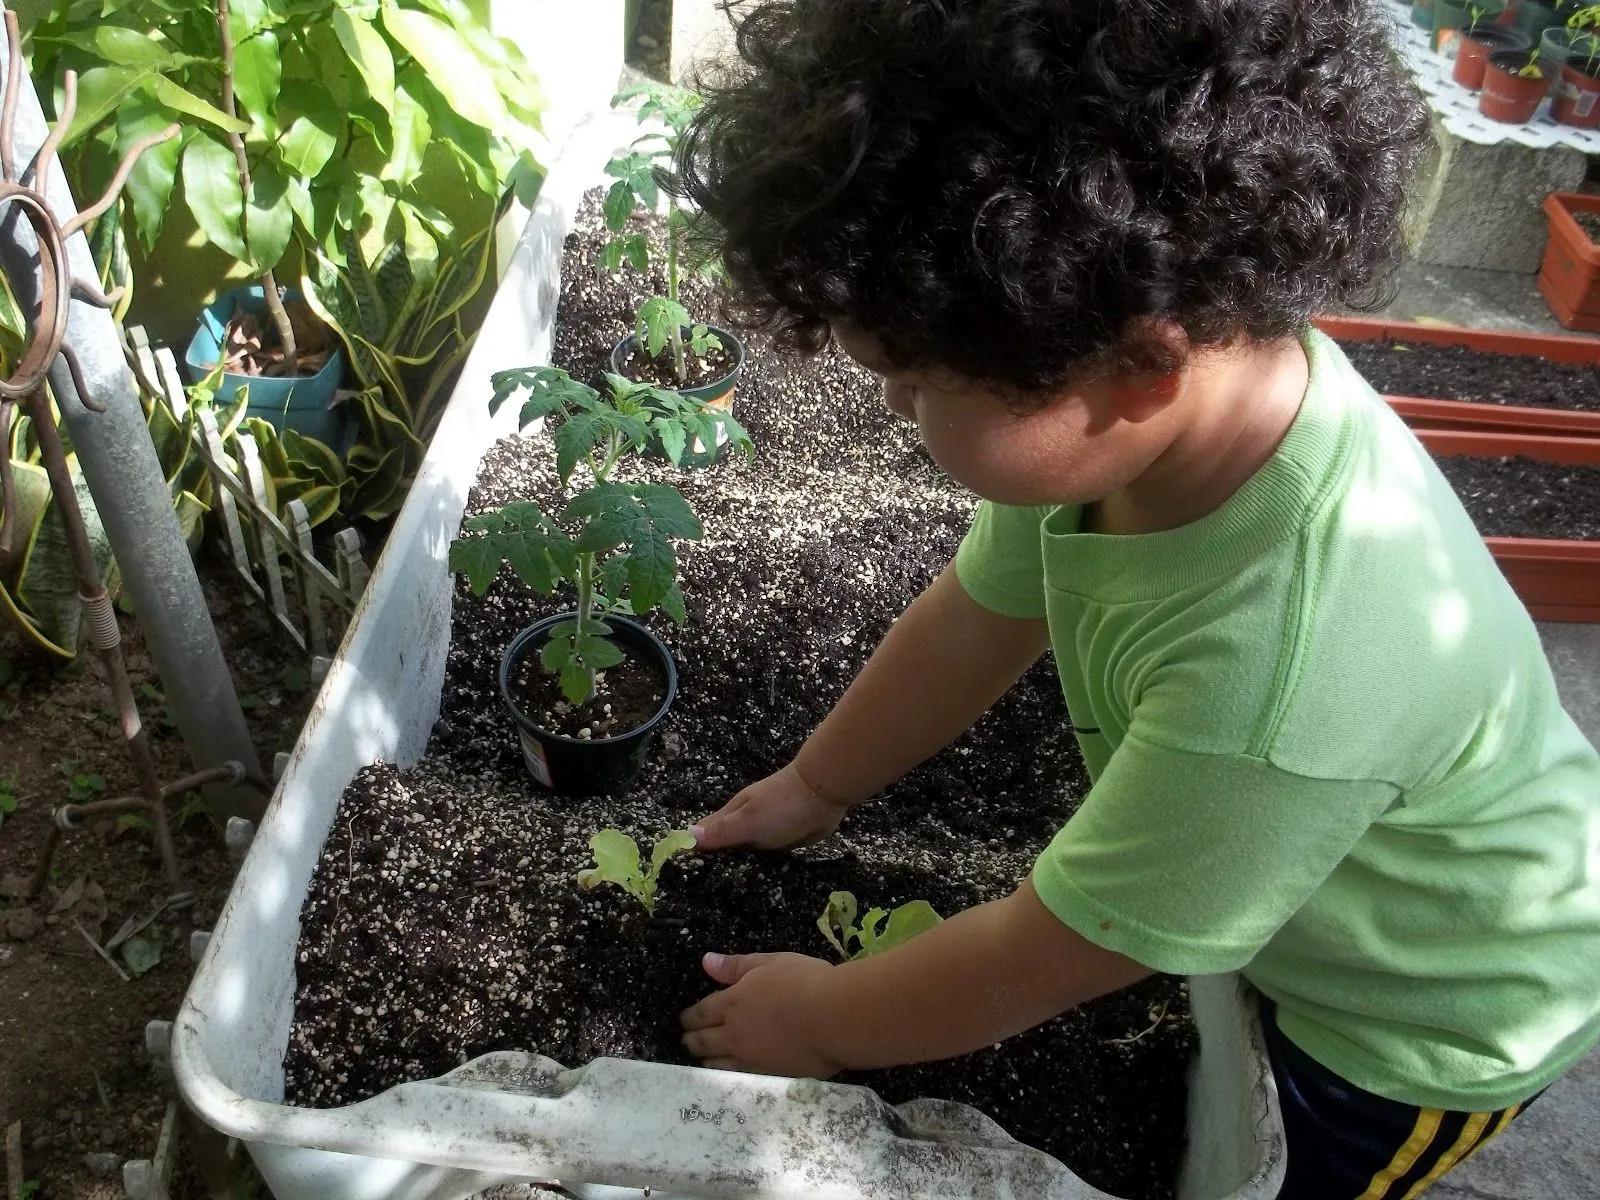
(612, 1128)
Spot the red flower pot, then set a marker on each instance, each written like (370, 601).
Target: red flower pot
(1570, 276)
(1508, 96)
(1472, 53)
(1577, 96)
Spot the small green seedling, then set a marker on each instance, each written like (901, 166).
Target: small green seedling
(881, 929)
(1532, 70)
(194, 805)
(1586, 18)
(8, 797)
(82, 786)
(617, 861)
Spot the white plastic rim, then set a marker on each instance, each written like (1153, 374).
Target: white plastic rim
(614, 1127)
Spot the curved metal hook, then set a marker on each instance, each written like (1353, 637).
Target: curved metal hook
(55, 292)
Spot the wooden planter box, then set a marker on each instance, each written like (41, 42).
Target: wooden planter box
(1558, 580)
(1423, 413)
(1570, 276)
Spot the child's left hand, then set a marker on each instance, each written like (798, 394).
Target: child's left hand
(765, 1020)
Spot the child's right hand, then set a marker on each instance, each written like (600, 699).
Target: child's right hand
(778, 811)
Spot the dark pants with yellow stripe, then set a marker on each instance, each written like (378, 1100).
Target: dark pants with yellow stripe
(1348, 1144)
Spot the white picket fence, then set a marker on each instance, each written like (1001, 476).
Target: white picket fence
(262, 546)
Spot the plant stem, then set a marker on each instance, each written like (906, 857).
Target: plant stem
(269, 284)
(619, 443)
(678, 362)
(585, 608)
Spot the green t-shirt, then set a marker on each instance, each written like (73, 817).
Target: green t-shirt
(1326, 750)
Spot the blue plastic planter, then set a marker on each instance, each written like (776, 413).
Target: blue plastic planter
(304, 405)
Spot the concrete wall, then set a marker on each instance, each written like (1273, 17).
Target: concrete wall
(1478, 205)
(700, 32)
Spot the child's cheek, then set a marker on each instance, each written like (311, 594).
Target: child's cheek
(900, 399)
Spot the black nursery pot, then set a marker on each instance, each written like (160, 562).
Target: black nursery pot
(571, 766)
(719, 393)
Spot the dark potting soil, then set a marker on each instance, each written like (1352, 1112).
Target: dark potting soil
(1398, 368)
(627, 695)
(1589, 222)
(443, 920)
(1518, 497)
(662, 371)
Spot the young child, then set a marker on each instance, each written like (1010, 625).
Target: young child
(1082, 241)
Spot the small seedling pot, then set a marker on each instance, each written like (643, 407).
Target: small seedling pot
(1577, 95)
(1557, 44)
(1533, 17)
(1472, 53)
(1507, 96)
(719, 393)
(304, 404)
(1450, 17)
(571, 766)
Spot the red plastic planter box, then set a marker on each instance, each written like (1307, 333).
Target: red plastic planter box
(1570, 277)
(1558, 580)
(1423, 413)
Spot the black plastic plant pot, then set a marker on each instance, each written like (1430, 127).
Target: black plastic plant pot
(571, 766)
(719, 393)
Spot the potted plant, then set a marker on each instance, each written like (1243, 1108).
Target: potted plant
(1477, 42)
(588, 688)
(1514, 83)
(1450, 17)
(381, 142)
(1559, 43)
(1570, 276)
(667, 347)
(287, 361)
(1577, 93)
(1533, 17)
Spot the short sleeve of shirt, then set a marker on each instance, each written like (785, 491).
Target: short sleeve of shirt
(1189, 863)
(1001, 560)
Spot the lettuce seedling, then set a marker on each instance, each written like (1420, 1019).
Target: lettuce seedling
(838, 925)
(613, 540)
(616, 861)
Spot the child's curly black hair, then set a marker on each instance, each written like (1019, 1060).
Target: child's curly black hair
(1004, 187)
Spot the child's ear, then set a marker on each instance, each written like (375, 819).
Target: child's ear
(1138, 398)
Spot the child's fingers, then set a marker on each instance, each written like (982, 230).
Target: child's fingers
(704, 1014)
(707, 1043)
(722, 828)
(728, 969)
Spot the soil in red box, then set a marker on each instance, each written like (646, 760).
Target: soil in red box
(1398, 368)
(1518, 497)
(625, 696)
(444, 922)
(662, 371)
